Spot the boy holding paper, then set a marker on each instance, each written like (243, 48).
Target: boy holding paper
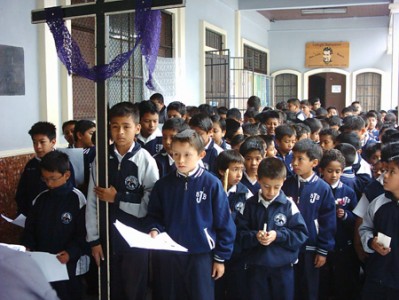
(379, 235)
(272, 230)
(192, 207)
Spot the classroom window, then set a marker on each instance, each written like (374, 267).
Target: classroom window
(255, 60)
(368, 90)
(285, 87)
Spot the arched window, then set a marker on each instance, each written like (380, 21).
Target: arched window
(285, 87)
(368, 90)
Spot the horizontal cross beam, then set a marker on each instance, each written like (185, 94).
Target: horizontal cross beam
(112, 7)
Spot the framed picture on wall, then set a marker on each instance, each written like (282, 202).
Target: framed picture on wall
(331, 54)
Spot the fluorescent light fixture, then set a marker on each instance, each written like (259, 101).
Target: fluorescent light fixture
(324, 11)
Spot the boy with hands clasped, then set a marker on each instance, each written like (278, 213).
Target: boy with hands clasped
(272, 230)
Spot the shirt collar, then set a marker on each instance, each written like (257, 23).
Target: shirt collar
(309, 179)
(233, 189)
(190, 173)
(335, 185)
(119, 156)
(265, 202)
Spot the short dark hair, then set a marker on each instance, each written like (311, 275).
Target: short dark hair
(67, 123)
(314, 124)
(55, 161)
(147, 106)
(202, 121)
(349, 152)
(250, 129)
(222, 110)
(234, 113)
(300, 129)
(237, 139)
(125, 109)
(329, 132)
(254, 101)
(347, 109)
(191, 137)
(350, 138)
(227, 157)
(352, 123)
(82, 126)
(273, 168)
(158, 97)
(46, 128)
(177, 106)
(370, 150)
(294, 101)
(284, 130)
(253, 143)
(334, 121)
(282, 105)
(250, 113)
(268, 140)
(332, 155)
(218, 120)
(314, 100)
(177, 124)
(389, 150)
(310, 148)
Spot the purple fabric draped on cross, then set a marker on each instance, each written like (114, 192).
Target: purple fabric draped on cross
(147, 27)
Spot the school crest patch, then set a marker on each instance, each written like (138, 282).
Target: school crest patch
(131, 183)
(66, 218)
(280, 219)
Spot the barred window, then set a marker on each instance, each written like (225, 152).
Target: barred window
(213, 40)
(166, 37)
(255, 60)
(285, 87)
(368, 90)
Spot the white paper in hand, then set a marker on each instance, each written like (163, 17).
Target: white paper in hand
(383, 240)
(52, 268)
(19, 221)
(138, 239)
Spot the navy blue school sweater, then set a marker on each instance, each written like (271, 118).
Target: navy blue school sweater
(254, 188)
(31, 184)
(373, 190)
(317, 206)
(282, 216)
(164, 162)
(194, 211)
(345, 198)
(287, 159)
(153, 143)
(57, 222)
(212, 151)
(237, 200)
(382, 216)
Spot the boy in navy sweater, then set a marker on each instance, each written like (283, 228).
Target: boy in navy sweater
(164, 158)
(192, 207)
(230, 166)
(285, 141)
(150, 137)
(382, 277)
(340, 275)
(317, 206)
(273, 231)
(56, 223)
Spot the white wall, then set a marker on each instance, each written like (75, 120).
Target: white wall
(18, 113)
(255, 28)
(367, 38)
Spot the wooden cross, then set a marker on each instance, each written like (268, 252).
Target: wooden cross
(100, 10)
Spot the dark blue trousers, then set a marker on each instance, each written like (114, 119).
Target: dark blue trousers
(129, 275)
(373, 290)
(306, 277)
(271, 283)
(186, 276)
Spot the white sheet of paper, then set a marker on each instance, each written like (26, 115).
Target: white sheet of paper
(76, 158)
(52, 269)
(14, 247)
(383, 240)
(19, 221)
(138, 239)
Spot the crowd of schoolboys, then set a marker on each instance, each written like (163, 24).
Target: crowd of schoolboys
(288, 203)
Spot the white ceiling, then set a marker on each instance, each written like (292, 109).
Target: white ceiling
(276, 10)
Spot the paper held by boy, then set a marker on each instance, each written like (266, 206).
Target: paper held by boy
(19, 221)
(138, 239)
(384, 240)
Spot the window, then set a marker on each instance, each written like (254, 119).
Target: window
(255, 60)
(368, 90)
(285, 87)
(213, 40)
(166, 38)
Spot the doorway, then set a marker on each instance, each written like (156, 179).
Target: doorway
(330, 88)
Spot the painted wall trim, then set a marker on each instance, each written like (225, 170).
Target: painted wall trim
(294, 72)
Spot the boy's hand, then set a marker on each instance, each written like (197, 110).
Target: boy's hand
(217, 270)
(379, 248)
(319, 261)
(63, 257)
(97, 252)
(153, 233)
(340, 213)
(106, 194)
(266, 238)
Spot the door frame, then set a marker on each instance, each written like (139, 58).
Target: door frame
(348, 92)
